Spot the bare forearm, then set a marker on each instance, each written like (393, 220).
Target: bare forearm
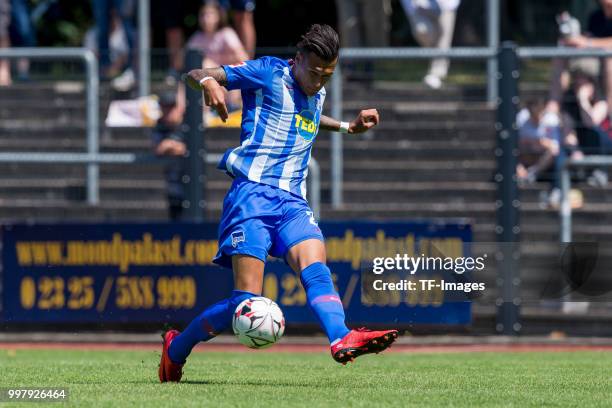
(366, 119)
(194, 76)
(605, 42)
(327, 123)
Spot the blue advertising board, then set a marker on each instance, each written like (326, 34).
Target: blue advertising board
(150, 273)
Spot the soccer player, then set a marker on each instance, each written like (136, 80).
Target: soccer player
(265, 210)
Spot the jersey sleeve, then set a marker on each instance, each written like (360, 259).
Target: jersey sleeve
(247, 75)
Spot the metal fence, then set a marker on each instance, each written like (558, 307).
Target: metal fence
(361, 54)
(93, 100)
(565, 210)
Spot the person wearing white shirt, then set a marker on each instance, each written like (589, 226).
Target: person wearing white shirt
(433, 23)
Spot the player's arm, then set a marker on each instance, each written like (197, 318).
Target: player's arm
(365, 120)
(211, 82)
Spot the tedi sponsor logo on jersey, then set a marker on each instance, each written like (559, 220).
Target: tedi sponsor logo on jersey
(305, 124)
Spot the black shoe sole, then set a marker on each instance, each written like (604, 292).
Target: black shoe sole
(375, 345)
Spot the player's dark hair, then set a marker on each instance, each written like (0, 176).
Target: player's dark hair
(321, 40)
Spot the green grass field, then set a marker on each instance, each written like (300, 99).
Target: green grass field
(129, 378)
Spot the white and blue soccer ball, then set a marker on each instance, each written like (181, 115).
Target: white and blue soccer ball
(258, 322)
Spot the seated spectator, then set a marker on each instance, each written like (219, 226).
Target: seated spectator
(544, 145)
(433, 23)
(589, 113)
(538, 145)
(219, 44)
(168, 140)
(598, 35)
(5, 42)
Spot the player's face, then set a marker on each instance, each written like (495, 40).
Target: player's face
(312, 73)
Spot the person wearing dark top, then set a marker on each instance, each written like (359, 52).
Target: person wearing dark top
(598, 35)
(168, 140)
(588, 110)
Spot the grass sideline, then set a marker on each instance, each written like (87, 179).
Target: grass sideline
(217, 379)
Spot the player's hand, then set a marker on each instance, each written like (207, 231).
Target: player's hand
(214, 96)
(366, 119)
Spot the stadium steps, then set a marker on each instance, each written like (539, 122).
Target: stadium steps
(431, 157)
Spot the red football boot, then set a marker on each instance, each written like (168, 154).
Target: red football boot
(169, 370)
(362, 341)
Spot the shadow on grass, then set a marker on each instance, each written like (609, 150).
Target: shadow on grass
(257, 383)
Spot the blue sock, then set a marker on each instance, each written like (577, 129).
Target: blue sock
(207, 325)
(324, 300)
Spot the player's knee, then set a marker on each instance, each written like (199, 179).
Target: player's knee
(306, 253)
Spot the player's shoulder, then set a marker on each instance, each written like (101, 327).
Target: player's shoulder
(274, 62)
(264, 65)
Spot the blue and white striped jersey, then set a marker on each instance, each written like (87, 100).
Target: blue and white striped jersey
(279, 125)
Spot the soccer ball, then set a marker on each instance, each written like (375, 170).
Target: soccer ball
(258, 322)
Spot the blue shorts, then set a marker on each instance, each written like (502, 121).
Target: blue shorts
(259, 219)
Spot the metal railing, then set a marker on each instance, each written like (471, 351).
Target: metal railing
(490, 54)
(314, 177)
(144, 48)
(565, 209)
(93, 105)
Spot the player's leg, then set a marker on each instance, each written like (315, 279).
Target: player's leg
(308, 259)
(301, 242)
(248, 273)
(248, 278)
(244, 241)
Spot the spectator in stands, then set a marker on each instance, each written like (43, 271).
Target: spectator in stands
(433, 23)
(118, 50)
(244, 22)
(544, 144)
(598, 35)
(218, 42)
(168, 140)
(588, 110)
(169, 15)
(5, 41)
(538, 143)
(364, 23)
(124, 78)
(22, 33)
